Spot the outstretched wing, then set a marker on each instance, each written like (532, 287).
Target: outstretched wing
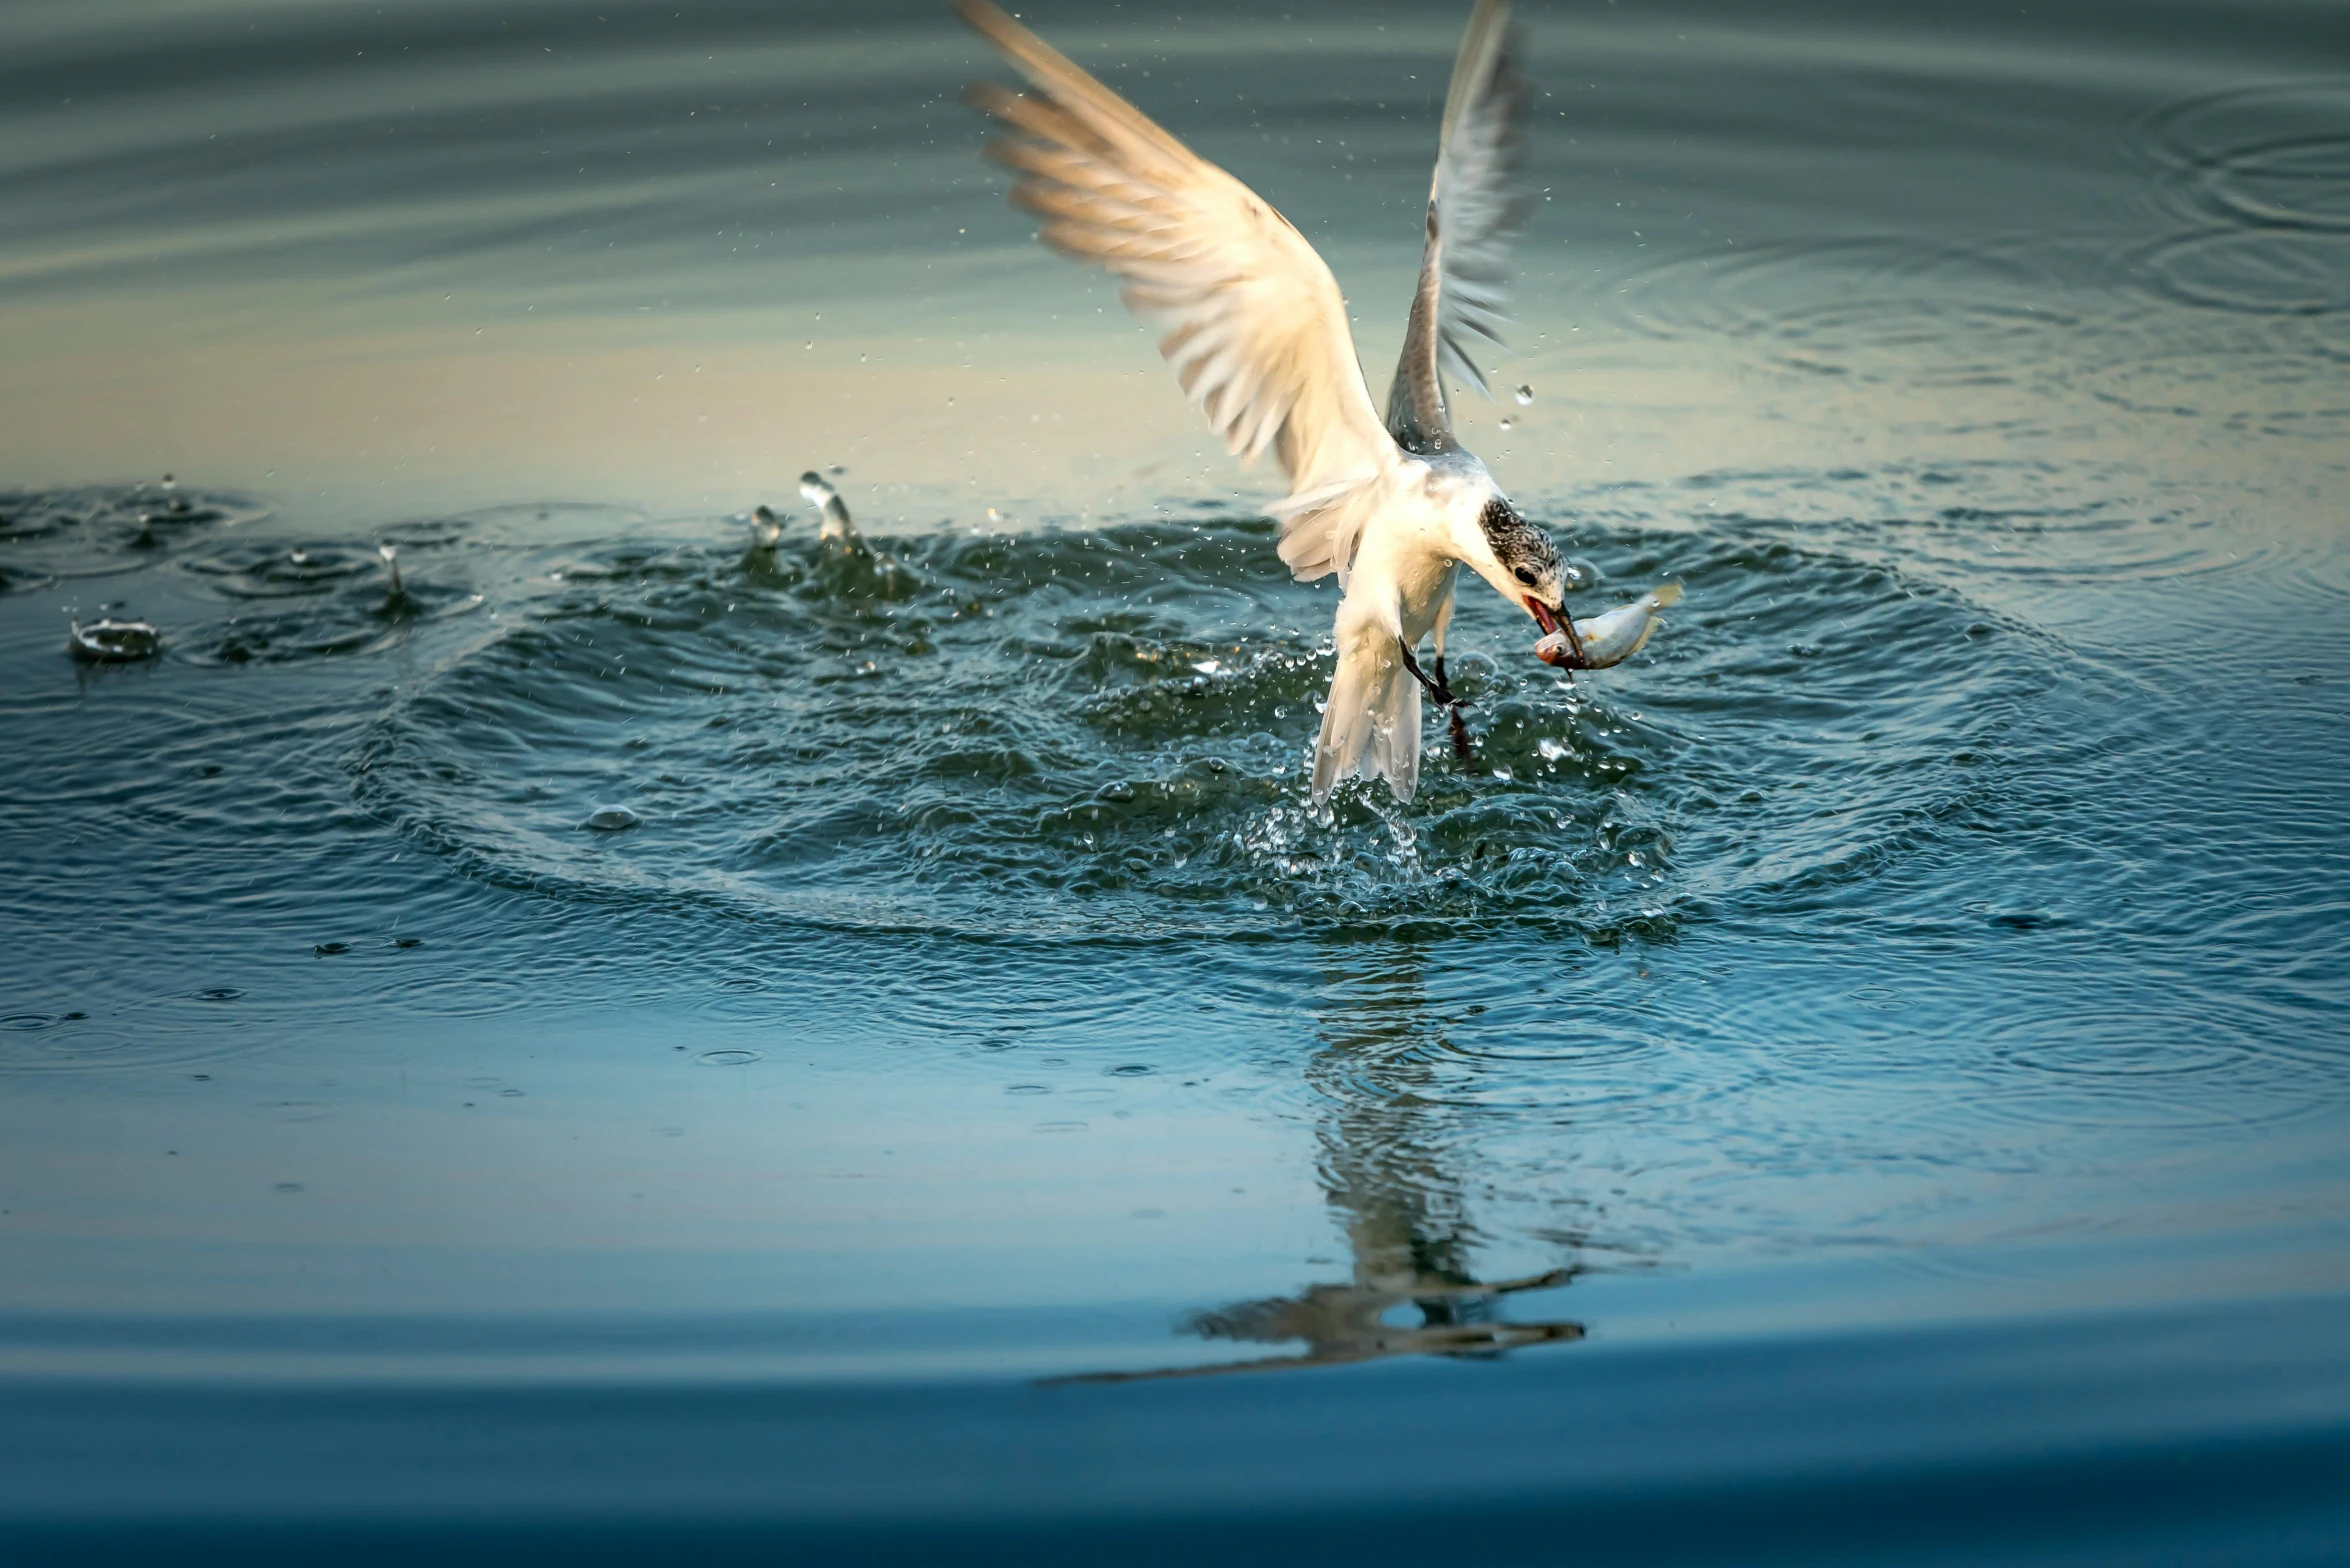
(1475, 204)
(1255, 327)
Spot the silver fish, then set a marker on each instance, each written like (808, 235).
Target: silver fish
(1608, 639)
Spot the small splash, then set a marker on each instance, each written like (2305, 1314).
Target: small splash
(834, 527)
(729, 1058)
(766, 529)
(110, 641)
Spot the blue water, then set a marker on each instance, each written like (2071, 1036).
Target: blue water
(625, 1043)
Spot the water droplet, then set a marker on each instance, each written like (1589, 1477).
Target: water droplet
(612, 819)
(1505, 424)
(729, 1058)
(1525, 396)
(1130, 1070)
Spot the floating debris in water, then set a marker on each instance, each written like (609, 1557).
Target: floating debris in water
(1608, 639)
(1525, 396)
(110, 641)
(612, 819)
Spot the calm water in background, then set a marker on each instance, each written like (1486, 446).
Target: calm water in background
(1890, 1035)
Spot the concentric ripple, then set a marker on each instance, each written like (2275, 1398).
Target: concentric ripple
(2263, 175)
(1869, 310)
(1106, 732)
(2275, 155)
(96, 530)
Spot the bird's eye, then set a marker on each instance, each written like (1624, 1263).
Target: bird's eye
(1526, 575)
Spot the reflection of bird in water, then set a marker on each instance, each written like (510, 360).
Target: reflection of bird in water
(1406, 1220)
(1258, 335)
(1347, 1323)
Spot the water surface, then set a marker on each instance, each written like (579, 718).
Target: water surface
(917, 993)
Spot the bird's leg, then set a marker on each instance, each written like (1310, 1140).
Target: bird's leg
(1440, 690)
(1452, 711)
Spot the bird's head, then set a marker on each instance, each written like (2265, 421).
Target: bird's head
(1520, 561)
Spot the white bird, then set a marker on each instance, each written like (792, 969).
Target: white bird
(1257, 333)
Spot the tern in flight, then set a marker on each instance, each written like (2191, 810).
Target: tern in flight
(1256, 331)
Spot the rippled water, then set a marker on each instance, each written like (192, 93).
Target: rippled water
(610, 954)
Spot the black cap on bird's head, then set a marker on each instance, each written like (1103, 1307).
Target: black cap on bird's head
(1526, 566)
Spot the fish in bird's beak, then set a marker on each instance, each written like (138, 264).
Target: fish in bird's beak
(1559, 644)
(1603, 640)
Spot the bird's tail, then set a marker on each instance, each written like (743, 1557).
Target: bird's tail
(1371, 724)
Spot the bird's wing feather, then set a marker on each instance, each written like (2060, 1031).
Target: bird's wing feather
(1475, 204)
(1254, 324)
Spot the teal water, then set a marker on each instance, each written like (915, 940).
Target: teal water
(1880, 1055)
